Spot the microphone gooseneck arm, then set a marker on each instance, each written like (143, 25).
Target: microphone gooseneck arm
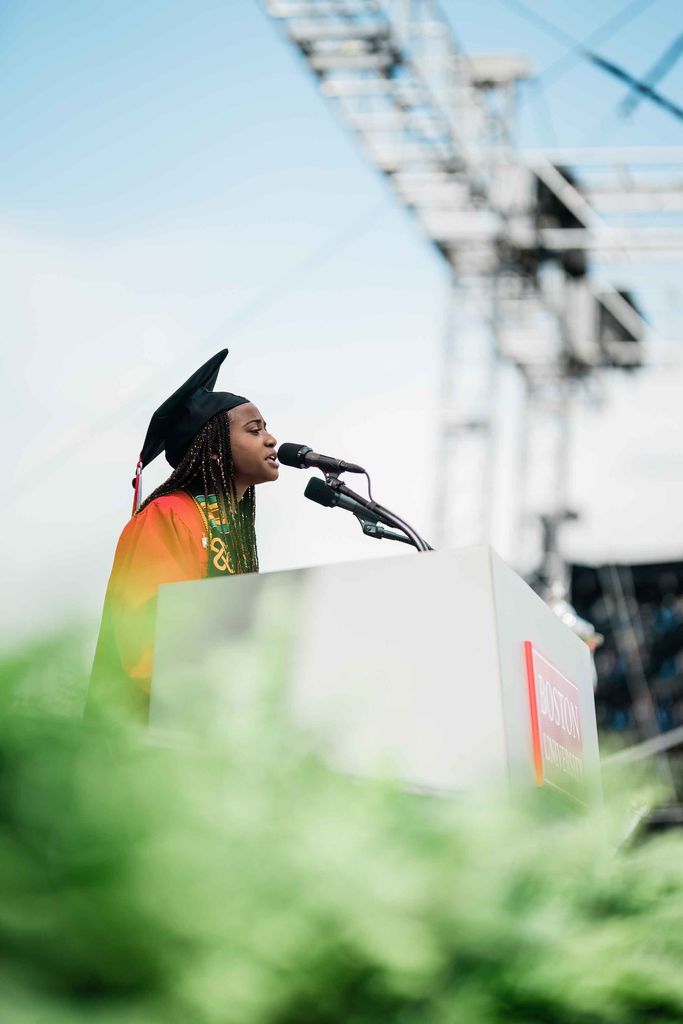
(329, 497)
(379, 512)
(301, 456)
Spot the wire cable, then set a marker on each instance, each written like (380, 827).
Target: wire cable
(640, 88)
(654, 75)
(549, 27)
(637, 84)
(577, 50)
(598, 37)
(543, 112)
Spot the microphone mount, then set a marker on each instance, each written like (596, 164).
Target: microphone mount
(301, 456)
(380, 532)
(380, 516)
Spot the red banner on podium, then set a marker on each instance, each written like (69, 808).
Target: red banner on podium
(556, 726)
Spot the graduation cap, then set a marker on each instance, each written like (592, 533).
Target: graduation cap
(183, 415)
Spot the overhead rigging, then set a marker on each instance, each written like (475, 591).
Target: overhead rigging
(518, 232)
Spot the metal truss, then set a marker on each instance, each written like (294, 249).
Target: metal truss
(518, 232)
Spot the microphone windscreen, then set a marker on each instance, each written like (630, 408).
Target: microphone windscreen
(289, 454)
(317, 490)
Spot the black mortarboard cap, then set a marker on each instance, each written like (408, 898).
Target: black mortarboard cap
(181, 416)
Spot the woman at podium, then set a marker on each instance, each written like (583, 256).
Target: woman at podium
(199, 522)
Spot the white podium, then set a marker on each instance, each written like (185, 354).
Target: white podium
(444, 668)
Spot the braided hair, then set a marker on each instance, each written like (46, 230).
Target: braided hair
(207, 465)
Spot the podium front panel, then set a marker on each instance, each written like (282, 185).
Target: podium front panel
(410, 666)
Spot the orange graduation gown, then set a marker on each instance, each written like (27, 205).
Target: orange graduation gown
(165, 543)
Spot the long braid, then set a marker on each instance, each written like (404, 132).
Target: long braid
(208, 462)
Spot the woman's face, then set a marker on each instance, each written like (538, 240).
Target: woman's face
(253, 448)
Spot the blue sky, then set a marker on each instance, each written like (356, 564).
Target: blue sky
(172, 182)
(157, 113)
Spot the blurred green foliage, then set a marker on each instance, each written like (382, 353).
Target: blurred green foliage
(234, 879)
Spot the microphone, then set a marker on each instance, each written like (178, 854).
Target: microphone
(300, 456)
(317, 490)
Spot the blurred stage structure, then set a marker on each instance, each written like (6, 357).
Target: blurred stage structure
(639, 610)
(520, 234)
(516, 230)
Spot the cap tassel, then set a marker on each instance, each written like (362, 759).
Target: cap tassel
(137, 486)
